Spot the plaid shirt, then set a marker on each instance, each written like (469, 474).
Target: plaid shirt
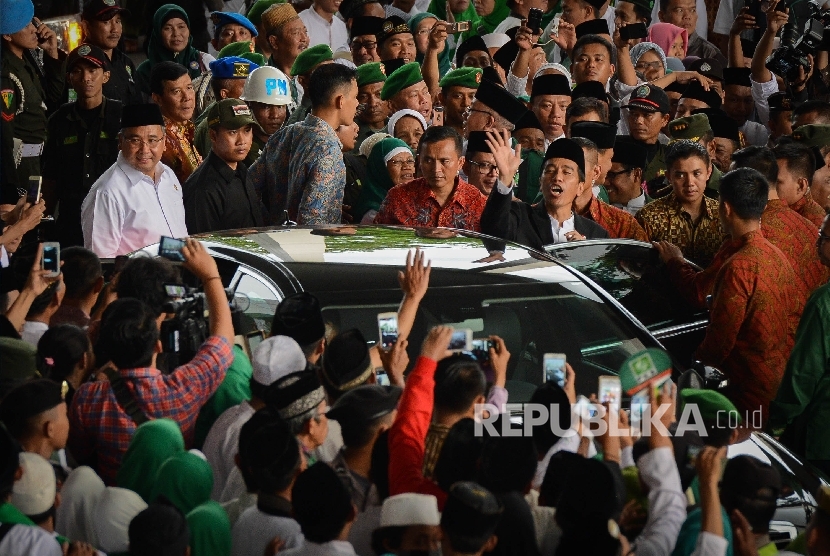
(100, 427)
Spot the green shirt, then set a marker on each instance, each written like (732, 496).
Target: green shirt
(235, 389)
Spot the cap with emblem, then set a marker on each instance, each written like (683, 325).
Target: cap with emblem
(813, 135)
(34, 493)
(722, 126)
(649, 98)
(528, 121)
(230, 113)
(267, 85)
(780, 102)
(276, 16)
(710, 404)
(365, 25)
(551, 84)
(299, 317)
(690, 128)
(392, 25)
(232, 67)
(629, 152)
(256, 11)
(99, 10)
(236, 49)
(470, 516)
(296, 395)
(88, 53)
(276, 357)
(592, 27)
(590, 89)
(499, 100)
(410, 508)
(472, 44)
(403, 77)
(737, 76)
(601, 134)
(506, 55)
(477, 142)
(567, 149)
(310, 58)
(346, 362)
(709, 67)
(138, 115)
(28, 400)
(373, 72)
(462, 77)
(220, 19)
(696, 91)
(358, 408)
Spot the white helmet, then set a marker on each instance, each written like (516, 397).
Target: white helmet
(267, 85)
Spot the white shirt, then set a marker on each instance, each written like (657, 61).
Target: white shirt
(255, 529)
(727, 11)
(406, 16)
(702, 27)
(321, 31)
(508, 23)
(666, 503)
(760, 94)
(26, 540)
(32, 331)
(4, 257)
(125, 210)
(222, 444)
(633, 206)
(755, 133)
(559, 230)
(332, 548)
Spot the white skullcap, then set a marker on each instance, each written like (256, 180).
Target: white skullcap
(34, 493)
(393, 119)
(112, 516)
(368, 144)
(558, 67)
(409, 508)
(495, 40)
(275, 358)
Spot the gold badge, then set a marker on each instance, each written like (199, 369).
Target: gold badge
(240, 69)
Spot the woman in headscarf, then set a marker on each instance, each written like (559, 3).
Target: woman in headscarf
(491, 13)
(647, 59)
(462, 10)
(672, 39)
(151, 445)
(391, 162)
(170, 41)
(112, 516)
(186, 479)
(79, 495)
(420, 25)
(210, 530)
(408, 126)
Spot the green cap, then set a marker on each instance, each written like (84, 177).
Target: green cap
(813, 135)
(462, 77)
(373, 72)
(642, 367)
(236, 49)
(230, 113)
(691, 128)
(710, 403)
(255, 13)
(310, 58)
(255, 57)
(403, 77)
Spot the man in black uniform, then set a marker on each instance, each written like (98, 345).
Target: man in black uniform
(101, 22)
(82, 141)
(218, 195)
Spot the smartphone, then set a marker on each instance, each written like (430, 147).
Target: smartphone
(458, 27)
(610, 391)
(387, 329)
(382, 377)
(534, 20)
(554, 28)
(585, 408)
(638, 403)
(171, 249)
(633, 31)
(438, 115)
(660, 386)
(176, 291)
(481, 349)
(253, 339)
(33, 192)
(461, 340)
(51, 259)
(553, 366)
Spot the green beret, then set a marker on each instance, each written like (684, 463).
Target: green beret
(255, 57)
(691, 127)
(462, 77)
(373, 72)
(255, 13)
(236, 49)
(310, 58)
(403, 77)
(812, 135)
(710, 404)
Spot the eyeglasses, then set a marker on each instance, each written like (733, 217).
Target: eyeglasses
(613, 175)
(484, 168)
(368, 45)
(137, 142)
(402, 163)
(423, 32)
(649, 65)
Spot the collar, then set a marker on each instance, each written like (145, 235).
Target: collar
(176, 126)
(225, 171)
(562, 225)
(637, 202)
(73, 116)
(801, 203)
(34, 325)
(313, 121)
(708, 210)
(10, 514)
(134, 175)
(776, 204)
(272, 504)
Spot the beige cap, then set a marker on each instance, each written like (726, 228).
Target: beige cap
(276, 16)
(409, 508)
(34, 493)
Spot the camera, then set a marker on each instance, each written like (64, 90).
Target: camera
(805, 33)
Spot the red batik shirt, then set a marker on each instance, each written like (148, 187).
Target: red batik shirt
(754, 315)
(809, 209)
(617, 222)
(179, 152)
(414, 204)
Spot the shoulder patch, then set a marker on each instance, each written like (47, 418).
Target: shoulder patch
(8, 97)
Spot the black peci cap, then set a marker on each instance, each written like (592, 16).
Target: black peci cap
(477, 142)
(592, 27)
(567, 149)
(498, 99)
(470, 45)
(138, 115)
(590, 89)
(298, 316)
(551, 84)
(365, 25)
(737, 76)
(601, 134)
(629, 152)
(696, 91)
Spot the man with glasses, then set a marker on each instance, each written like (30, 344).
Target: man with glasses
(624, 181)
(138, 199)
(480, 164)
(363, 41)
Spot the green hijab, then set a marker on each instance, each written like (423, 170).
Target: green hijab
(156, 52)
(152, 443)
(378, 182)
(210, 530)
(490, 22)
(439, 8)
(444, 61)
(185, 479)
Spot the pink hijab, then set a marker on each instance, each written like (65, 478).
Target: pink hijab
(664, 34)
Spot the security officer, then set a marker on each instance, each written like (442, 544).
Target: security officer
(82, 141)
(268, 93)
(696, 128)
(101, 23)
(25, 100)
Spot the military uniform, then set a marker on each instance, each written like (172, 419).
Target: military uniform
(121, 85)
(201, 140)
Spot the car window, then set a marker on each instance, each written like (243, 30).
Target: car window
(262, 301)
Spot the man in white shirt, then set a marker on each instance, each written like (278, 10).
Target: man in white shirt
(323, 27)
(43, 307)
(138, 199)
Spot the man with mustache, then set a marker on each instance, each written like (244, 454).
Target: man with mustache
(372, 114)
(173, 91)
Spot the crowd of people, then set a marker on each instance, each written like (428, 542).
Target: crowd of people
(534, 122)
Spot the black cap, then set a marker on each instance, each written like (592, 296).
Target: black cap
(360, 406)
(473, 43)
(498, 99)
(527, 121)
(751, 478)
(650, 98)
(393, 64)
(597, 4)
(675, 87)
(348, 7)
(567, 149)
(592, 27)
(551, 84)
(319, 499)
(629, 152)
(392, 25)
(101, 10)
(295, 394)
(27, 400)
(346, 362)
(709, 67)
(89, 53)
(489, 73)
(159, 529)
(298, 316)
(722, 126)
(737, 76)
(365, 25)
(505, 55)
(477, 142)
(470, 517)
(590, 89)
(138, 115)
(267, 443)
(601, 134)
(780, 102)
(696, 91)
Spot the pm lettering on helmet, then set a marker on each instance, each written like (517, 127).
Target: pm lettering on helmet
(279, 85)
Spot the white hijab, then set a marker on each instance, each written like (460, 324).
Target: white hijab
(79, 496)
(112, 516)
(393, 119)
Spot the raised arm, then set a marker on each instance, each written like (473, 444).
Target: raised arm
(198, 261)
(414, 281)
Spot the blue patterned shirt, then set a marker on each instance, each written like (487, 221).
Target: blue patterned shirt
(301, 170)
